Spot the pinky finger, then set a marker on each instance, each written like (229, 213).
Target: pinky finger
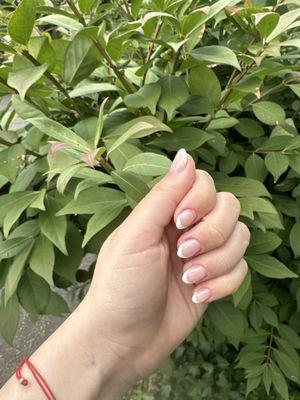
(221, 286)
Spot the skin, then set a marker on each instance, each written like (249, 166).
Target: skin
(138, 309)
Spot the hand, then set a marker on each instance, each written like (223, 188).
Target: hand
(145, 299)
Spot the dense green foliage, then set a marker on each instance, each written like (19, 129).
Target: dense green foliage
(96, 96)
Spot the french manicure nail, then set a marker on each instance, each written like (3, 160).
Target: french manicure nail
(194, 274)
(185, 218)
(180, 161)
(201, 295)
(188, 248)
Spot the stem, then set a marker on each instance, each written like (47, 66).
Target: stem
(105, 165)
(54, 81)
(270, 345)
(150, 49)
(101, 50)
(76, 12)
(128, 10)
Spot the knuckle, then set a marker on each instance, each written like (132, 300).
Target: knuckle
(245, 232)
(231, 200)
(216, 236)
(206, 175)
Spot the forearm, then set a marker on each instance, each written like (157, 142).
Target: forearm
(77, 364)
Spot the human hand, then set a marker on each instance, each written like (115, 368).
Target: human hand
(139, 299)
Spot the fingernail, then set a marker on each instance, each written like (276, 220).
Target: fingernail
(188, 248)
(185, 218)
(180, 161)
(194, 274)
(201, 295)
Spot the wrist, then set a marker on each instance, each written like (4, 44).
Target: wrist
(77, 363)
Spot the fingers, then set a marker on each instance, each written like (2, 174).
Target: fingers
(221, 286)
(219, 261)
(213, 230)
(156, 210)
(198, 202)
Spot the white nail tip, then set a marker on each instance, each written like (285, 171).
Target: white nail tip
(178, 223)
(182, 153)
(180, 251)
(195, 299)
(185, 277)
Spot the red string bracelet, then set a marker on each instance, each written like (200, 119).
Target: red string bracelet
(38, 377)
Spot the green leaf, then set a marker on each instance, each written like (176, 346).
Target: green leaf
(148, 164)
(135, 7)
(242, 187)
(249, 128)
(86, 88)
(66, 176)
(266, 22)
(287, 365)
(62, 21)
(270, 267)
(284, 23)
(242, 290)
(188, 137)
(16, 210)
(42, 259)
(137, 128)
(279, 383)
(255, 168)
(92, 200)
(100, 123)
(277, 164)
(288, 333)
(22, 21)
(66, 266)
(174, 93)
(204, 82)
(57, 305)
(86, 5)
(34, 294)
(14, 246)
(9, 318)
(267, 378)
(263, 242)
(11, 160)
(295, 239)
(60, 133)
(228, 320)
(269, 112)
(146, 96)
(24, 78)
(131, 184)
(52, 226)
(15, 272)
(81, 59)
(99, 220)
(216, 55)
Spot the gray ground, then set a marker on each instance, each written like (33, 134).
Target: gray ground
(30, 336)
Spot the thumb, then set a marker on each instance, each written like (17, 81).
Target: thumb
(156, 210)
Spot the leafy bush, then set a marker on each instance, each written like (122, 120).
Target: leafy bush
(96, 98)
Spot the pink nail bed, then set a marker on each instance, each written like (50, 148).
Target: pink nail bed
(201, 295)
(185, 219)
(188, 248)
(194, 274)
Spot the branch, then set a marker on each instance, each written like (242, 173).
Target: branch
(54, 81)
(9, 144)
(151, 46)
(130, 17)
(102, 51)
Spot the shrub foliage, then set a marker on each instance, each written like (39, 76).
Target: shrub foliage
(96, 96)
